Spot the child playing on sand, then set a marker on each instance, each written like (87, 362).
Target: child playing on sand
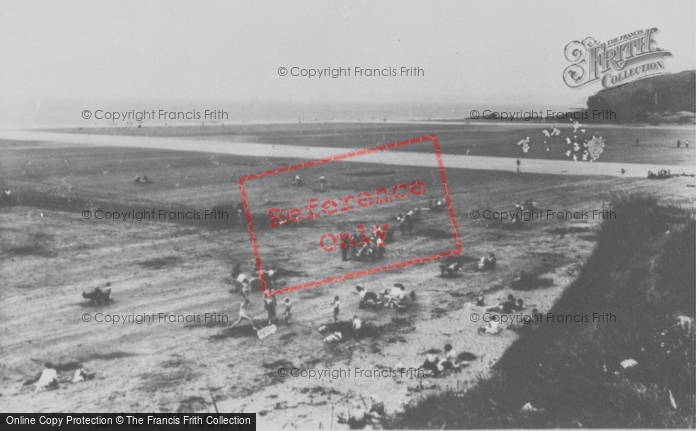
(243, 315)
(451, 361)
(243, 284)
(493, 327)
(336, 308)
(356, 325)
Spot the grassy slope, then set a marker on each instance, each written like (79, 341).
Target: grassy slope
(643, 271)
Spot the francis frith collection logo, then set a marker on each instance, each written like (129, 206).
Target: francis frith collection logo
(621, 60)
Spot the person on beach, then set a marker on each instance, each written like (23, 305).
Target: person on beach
(451, 361)
(323, 181)
(430, 365)
(487, 263)
(377, 408)
(356, 325)
(244, 285)
(236, 271)
(48, 378)
(287, 311)
(358, 417)
(517, 165)
(334, 338)
(451, 268)
(271, 306)
(336, 308)
(366, 296)
(243, 315)
(492, 327)
(508, 306)
(480, 300)
(345, 246)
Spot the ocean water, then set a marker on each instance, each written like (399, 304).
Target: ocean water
(69, 112)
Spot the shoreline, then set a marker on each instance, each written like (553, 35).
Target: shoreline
(416, 121)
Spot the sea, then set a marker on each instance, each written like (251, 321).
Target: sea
(69, 113)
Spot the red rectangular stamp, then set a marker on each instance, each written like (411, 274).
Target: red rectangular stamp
(388, 232)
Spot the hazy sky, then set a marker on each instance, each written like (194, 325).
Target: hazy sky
(498, 51)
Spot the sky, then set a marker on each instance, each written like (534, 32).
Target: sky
(485, 51)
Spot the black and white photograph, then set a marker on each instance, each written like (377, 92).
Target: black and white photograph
(348, 215)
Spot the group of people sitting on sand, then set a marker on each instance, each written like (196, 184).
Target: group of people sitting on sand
(529, 280)
(493, 326)
(660, 175)
(434, 366)
(397, 297)
(528, 206)
(486, 263)
(99, 296)
(450, 269)
(337, 336)
(48, 378)
(509, 306)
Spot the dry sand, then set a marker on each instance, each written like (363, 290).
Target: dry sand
(554, 167)
(175, 366)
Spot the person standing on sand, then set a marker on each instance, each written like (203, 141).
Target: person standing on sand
(271, 306)
(356, 325)
(480, 300)
(517, 165)
(345, 246)
(244, 283)
(323, 181)
(336, 308)
(287, 311)
(236, 271)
